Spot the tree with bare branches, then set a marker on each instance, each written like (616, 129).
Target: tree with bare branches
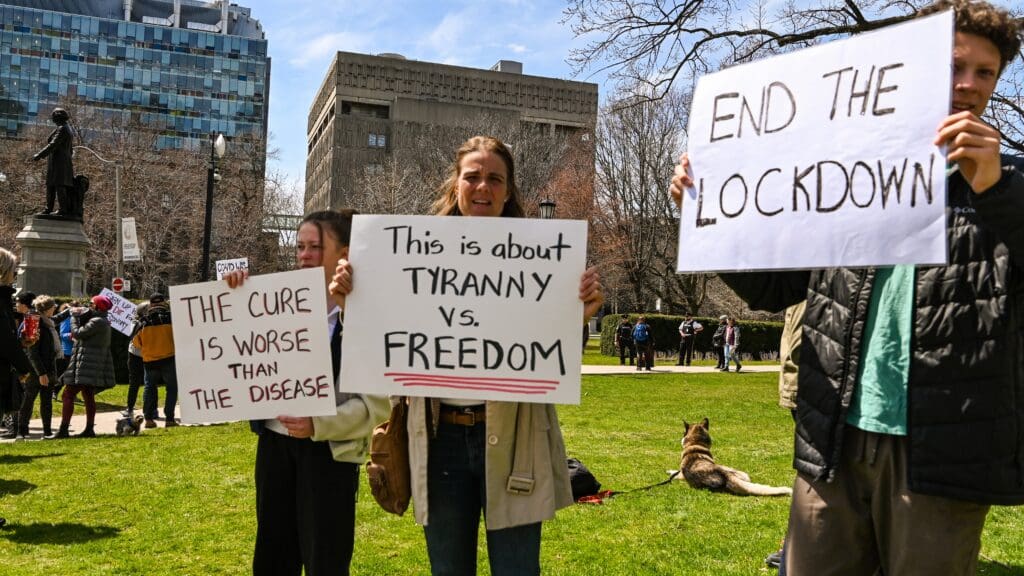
(407, 181)
(653, 45)
(162, 189)
(635, 223)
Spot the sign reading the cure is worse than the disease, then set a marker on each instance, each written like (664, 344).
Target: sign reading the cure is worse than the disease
(254, 352)
(471, 308)
(822, 157)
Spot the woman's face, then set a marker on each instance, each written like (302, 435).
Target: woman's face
(311, 253)
(482, 185)
(21, 308)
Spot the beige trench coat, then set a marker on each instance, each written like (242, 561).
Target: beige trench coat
(505, 509)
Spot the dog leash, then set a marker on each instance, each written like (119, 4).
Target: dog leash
(645, 488)
(600, 497)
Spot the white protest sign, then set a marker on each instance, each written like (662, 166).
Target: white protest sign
(258, 351)
(822, 157)
(475, 308)
(121, 314)
(225, 266)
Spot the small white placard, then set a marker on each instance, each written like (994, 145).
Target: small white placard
(121, 314)
(256, 352)
(226, 266)
(822, 157)
(472, 308)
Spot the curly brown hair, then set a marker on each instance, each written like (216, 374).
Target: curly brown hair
(447, 203)
(983, 19)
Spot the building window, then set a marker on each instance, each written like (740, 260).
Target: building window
(378, 140)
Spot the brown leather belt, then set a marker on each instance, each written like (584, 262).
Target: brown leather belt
(463, 416)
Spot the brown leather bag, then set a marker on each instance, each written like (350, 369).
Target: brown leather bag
(388, 468)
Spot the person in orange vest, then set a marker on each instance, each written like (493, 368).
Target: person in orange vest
(156, 341)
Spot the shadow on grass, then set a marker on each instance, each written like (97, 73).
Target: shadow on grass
(8, 487)
(993, 568)
(25, 458)
(63, 533)
(107, 407)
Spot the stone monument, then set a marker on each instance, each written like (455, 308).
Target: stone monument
(53, 244)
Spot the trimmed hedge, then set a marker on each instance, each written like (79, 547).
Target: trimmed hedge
(756, 338)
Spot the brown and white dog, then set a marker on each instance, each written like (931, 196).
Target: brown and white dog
(700, 470)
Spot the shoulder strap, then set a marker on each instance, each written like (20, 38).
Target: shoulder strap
(521, 480)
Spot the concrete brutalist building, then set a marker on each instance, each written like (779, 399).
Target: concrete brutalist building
(367, 104)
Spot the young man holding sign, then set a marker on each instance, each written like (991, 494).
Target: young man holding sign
(307, 469)
(911, 391)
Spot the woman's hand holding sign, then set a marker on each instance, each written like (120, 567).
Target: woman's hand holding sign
(590, 292)
(341, 284)
(681, 179)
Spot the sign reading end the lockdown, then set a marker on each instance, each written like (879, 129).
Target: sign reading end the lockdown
(472, 308)
(823, 157)
(258, 351)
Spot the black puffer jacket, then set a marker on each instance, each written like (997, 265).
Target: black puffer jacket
(12, 355)
(965, 413)
(91, 364)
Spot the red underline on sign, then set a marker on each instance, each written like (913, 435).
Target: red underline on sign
(443, 384)
(507, 385)
(467, 378)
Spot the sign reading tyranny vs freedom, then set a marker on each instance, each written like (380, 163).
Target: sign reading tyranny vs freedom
(258, 351)
(822, 157)
(474, 308)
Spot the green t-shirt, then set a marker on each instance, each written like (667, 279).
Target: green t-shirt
(880, 398)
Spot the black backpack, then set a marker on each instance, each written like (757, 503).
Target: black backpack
(582, 481)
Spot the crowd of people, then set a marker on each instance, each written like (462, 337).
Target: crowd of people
(906, 396)
(52, 355)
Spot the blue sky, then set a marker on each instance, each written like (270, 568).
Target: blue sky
(303, 36)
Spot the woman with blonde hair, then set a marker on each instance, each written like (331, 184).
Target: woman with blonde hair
(461, 451)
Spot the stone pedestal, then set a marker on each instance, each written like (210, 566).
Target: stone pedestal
(53, 254)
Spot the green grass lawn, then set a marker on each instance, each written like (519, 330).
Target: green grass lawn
(180, 501)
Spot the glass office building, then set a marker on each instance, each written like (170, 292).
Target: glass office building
(181, 68)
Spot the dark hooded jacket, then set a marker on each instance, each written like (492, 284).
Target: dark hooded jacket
(91, 364)
(965, 413)
(12, 355)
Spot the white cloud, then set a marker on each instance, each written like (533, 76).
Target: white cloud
(322, 47)
(517, 48)
(450, 34)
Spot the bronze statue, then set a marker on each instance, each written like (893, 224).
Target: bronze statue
(60, 174)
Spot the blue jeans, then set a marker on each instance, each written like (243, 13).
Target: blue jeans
(456, 496)
(729, 350)
(157, 373)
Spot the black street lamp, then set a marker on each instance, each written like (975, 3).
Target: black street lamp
(547, 209)
(216, 151)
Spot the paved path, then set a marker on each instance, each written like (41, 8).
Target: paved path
(106, 422)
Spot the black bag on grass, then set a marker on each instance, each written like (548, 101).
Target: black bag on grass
(582, 480)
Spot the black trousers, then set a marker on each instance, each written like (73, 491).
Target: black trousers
(305, 508)
(720, 353)
(627, 350)
(136, 379)
(32, 390)
(686, 350)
